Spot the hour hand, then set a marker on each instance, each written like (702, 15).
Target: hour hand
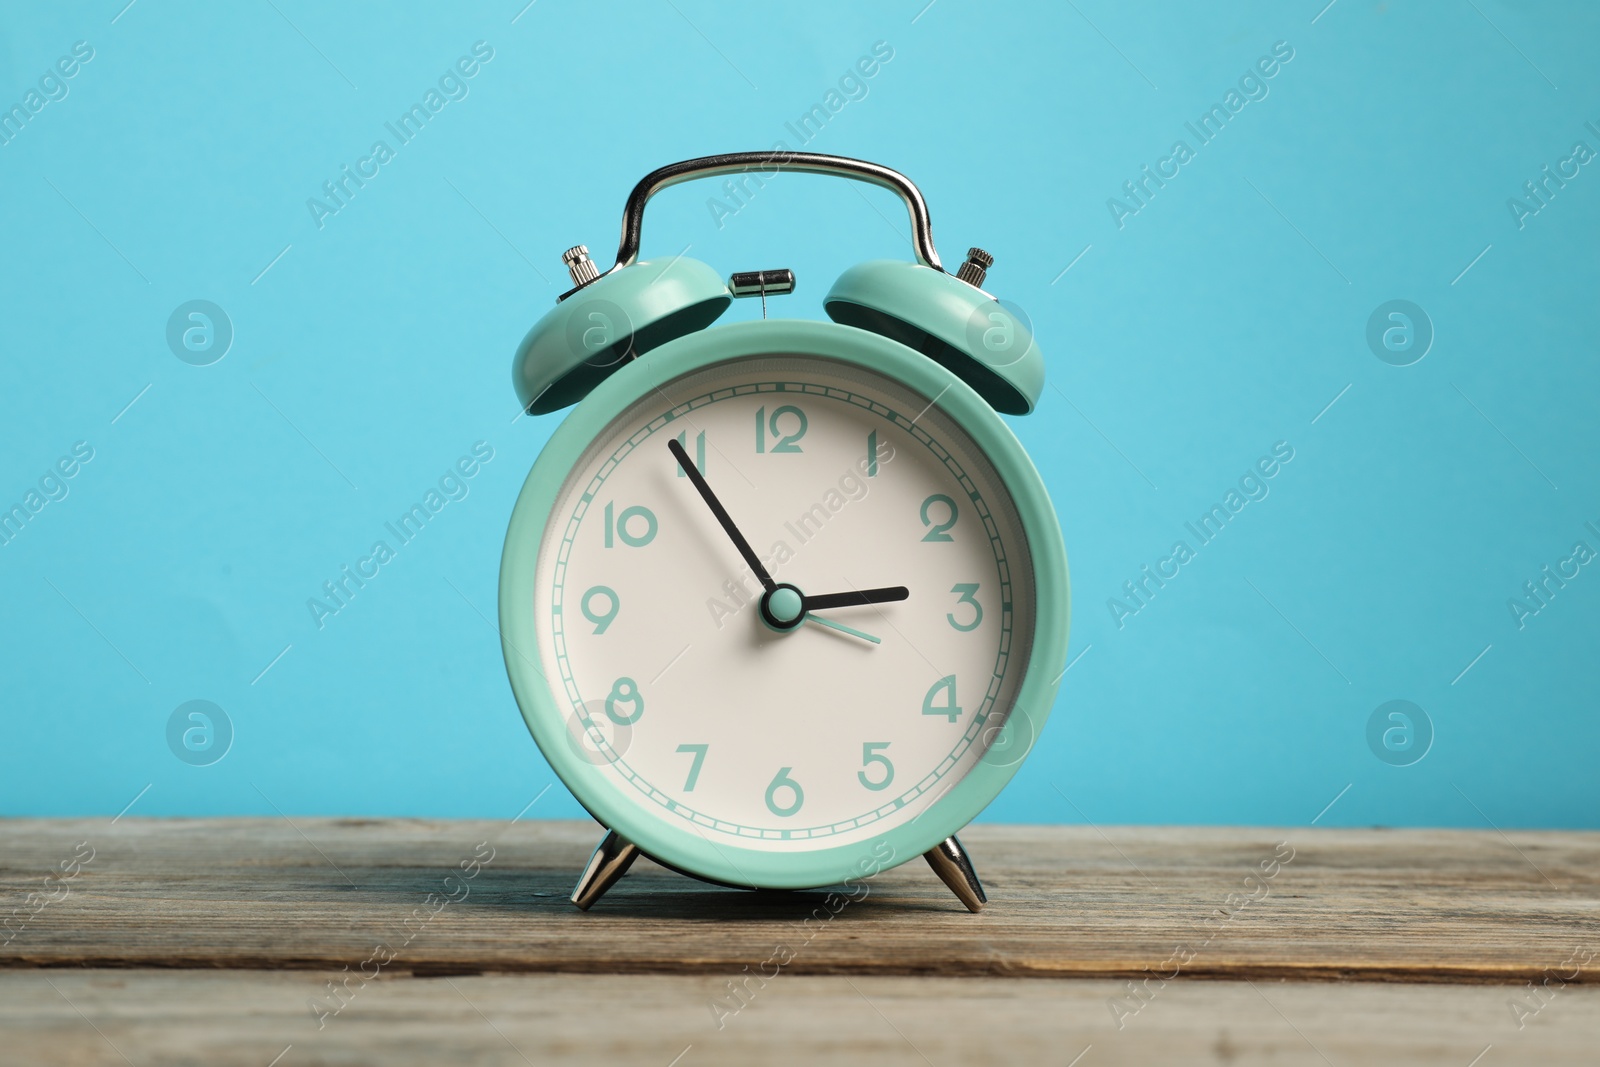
(855, 598)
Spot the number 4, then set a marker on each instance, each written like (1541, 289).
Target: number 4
(949, 709)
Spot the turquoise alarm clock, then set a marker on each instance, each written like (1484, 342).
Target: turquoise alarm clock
(783, 602)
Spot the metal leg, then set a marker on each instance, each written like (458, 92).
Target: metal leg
(610, 861)
(951, 863)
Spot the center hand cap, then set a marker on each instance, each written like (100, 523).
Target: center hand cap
(783, 608)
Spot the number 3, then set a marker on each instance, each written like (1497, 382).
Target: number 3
(968, 591)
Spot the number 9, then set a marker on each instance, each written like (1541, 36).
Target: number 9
(601, 620)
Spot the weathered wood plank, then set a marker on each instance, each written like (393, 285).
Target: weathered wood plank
(1066, 902)
(78, 1018)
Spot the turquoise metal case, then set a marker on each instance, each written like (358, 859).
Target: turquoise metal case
(682, 846)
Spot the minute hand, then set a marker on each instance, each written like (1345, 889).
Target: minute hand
(854, 597)
(723, 518)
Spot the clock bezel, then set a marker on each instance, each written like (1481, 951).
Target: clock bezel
(682, 847)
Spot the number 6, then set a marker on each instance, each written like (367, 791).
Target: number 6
(783, 781)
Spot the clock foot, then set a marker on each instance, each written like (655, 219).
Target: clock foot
(610, 861)
(954, 867)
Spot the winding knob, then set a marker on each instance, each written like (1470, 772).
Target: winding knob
(976, 268)
(579, 265)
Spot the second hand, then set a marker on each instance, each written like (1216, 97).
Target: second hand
(842, 628)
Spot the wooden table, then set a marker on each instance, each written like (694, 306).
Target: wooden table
(337, 941)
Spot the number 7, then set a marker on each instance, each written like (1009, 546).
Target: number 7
(699, 752)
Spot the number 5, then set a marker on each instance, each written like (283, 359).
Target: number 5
(871, 755)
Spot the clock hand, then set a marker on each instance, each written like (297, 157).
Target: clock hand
(722, 516)
(842, 628)
(855, 597)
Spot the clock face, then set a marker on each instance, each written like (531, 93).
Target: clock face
(650, 631)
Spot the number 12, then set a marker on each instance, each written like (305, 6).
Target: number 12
(784, 442)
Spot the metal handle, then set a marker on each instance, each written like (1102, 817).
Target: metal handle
(805, 162)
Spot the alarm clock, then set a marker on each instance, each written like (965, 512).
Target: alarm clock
(784, 603)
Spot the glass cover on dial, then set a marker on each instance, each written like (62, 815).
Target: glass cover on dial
(838, 723)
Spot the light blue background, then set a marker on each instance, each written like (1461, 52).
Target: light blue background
(1223, 317)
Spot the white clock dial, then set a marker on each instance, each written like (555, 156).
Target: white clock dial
(652, 640)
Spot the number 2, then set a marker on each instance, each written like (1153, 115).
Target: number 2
(938, 531)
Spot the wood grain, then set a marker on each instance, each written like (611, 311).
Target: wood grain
(1066, 902)
(79, 1018)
